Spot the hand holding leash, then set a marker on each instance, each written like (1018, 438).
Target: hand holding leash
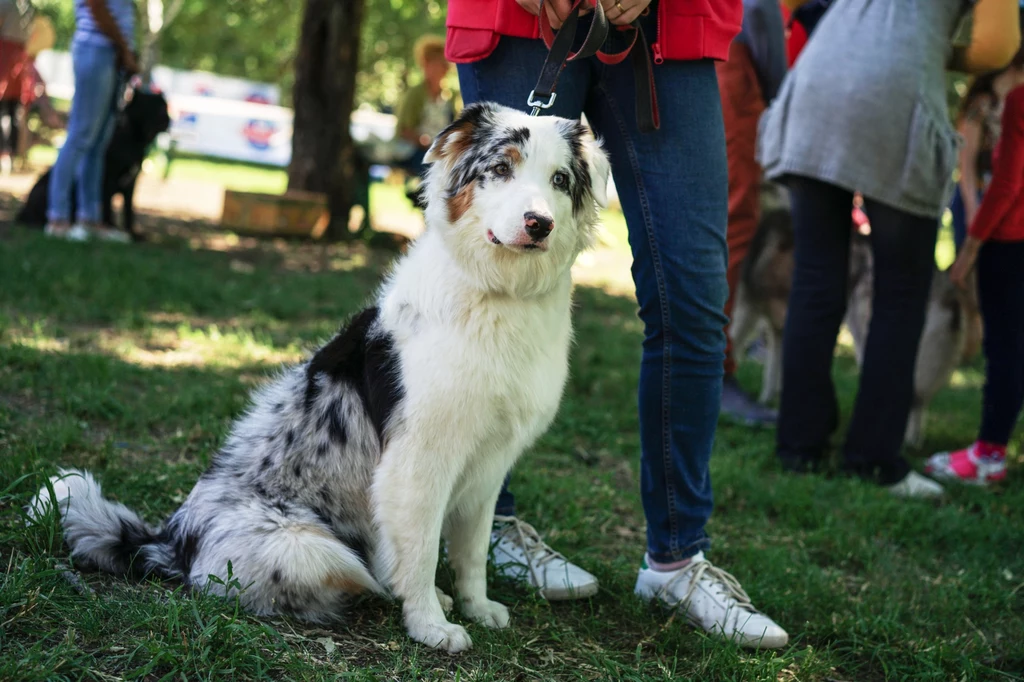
(557, 10)
(624, 12)
(560, 53)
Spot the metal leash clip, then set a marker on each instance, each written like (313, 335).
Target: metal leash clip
(537, 104)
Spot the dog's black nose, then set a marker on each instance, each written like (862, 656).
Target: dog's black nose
(537, 226)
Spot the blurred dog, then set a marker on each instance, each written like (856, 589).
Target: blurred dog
(945, 335)
(138, 124)
(763, 293)
(345, 470)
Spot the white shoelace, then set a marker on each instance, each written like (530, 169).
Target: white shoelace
(520, 533)
(724, 583)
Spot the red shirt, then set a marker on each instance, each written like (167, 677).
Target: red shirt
(687, 29)
(796, 36)
(1001, 216)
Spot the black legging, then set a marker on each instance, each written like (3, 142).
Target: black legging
(903, 246)
(1001, 294)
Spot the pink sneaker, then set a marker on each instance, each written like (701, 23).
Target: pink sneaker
(969, 465)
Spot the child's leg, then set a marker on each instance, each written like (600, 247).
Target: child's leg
(1001, 298)
(1001, 294)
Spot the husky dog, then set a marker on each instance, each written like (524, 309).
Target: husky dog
(763, 294)
(942, 341)
(347, 471)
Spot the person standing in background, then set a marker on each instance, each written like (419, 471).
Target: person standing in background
(996, 241)
(12, 60)
(102, 54)
(747, 83)
(427, 108)
(864, 108)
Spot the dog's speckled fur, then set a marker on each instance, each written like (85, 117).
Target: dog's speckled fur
(348, 469)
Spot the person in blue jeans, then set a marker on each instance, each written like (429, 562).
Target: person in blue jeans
(673, 186)
(101, 53)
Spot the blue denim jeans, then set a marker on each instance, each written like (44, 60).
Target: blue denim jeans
(90, 126)
(673, 186)
(959, 211)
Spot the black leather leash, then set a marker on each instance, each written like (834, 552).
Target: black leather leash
(560, 53)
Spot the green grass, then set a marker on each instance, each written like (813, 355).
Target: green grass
(133, 361)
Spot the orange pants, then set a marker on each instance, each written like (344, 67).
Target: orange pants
(742, 106)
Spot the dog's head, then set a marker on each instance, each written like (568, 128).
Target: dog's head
(146, 115)
(516, 197)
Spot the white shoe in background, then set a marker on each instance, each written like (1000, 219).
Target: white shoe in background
(916, 486)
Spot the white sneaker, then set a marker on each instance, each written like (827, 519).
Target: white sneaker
(519, 553)
(713, 601)
(914, 485)
(110, 234)
(75, 233)
(78, 233)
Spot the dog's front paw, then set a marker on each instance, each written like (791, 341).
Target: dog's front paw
(488, 613)
(446, 601)
(440, 635)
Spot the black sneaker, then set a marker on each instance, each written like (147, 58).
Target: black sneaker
(739, 406)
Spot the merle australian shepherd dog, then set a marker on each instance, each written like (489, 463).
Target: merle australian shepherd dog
(347, 470)
(138, 124)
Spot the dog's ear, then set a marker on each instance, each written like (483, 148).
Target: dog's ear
(457, 137)
(599, 166)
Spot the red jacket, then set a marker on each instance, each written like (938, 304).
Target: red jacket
(687, 29)
(796, 36)
(1001, 216)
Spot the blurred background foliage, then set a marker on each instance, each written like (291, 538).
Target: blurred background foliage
(256, 39)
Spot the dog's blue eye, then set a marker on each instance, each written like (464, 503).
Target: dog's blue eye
(560, 179)
(502, 169)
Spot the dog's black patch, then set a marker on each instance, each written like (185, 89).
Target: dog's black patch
(279, 407)
(275, 577)
(297, 470)
(289, 438)
(132, 537)
(322, 449)
(324, 518)
(267, 462)
(518, 137)
(358, 544)
(365, 359)
(579, 189)
(260, 490)
(183, 546)
(335, 425)
(281, 506)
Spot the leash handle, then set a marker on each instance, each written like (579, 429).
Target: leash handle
(560, 49)
(560, 53)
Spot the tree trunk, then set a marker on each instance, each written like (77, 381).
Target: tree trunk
(323, 156)
(154, 17)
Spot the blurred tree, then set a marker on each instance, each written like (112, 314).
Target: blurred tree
(256, 39)
(154, 16)
(390, 29)
(326, 62)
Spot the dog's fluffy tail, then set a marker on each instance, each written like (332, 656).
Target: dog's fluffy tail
(103, 535)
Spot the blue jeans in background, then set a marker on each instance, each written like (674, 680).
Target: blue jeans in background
(673, 187)
(957, 208)
(90, 126)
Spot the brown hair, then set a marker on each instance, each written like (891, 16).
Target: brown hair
(429, 48)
